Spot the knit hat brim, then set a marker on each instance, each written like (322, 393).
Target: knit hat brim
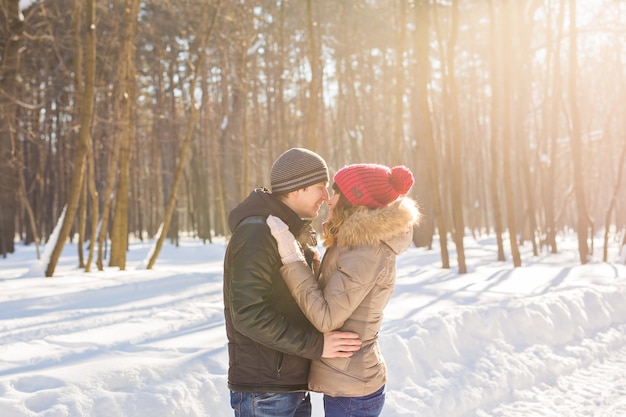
(297, 168)
(373, 185)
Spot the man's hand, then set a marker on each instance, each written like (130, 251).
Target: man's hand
(340, 344)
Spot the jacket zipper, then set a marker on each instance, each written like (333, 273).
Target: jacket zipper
(279, 364)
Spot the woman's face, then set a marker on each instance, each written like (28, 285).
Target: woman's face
(332, 203)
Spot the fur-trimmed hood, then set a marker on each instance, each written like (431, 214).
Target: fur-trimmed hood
(392, 225)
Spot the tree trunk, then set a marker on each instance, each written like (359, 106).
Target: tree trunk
(576, 142)
(280, 142)
(523, 27)
(457, 145)
(82, 222)
(508, 136)
(77, 53)
(29, 210)
(397, 139)
(93, 194)
(496, 99)
(194, 113)
(552, 118)
(84, 137)
(10, 43)
(119, 229)
(122, 113)
(315, 87)
(623, 248)
(614, 197)
(425, 129)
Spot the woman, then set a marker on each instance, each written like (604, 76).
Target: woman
(370, 222)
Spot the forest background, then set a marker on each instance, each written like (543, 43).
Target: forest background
(131, 119)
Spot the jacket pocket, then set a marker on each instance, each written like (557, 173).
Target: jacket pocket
(340, 364)
(279, 363)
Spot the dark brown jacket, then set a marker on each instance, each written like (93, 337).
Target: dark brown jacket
(270, 342)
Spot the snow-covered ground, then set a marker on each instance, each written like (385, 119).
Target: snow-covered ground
(547, 339)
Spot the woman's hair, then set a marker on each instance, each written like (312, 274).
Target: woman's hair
(341, 212)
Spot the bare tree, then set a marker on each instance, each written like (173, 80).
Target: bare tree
(507, 134)
(77, 50)
(551, 118)
(522, 27)
(397, 132)
(425, 130)
(456, 142)
(575, 140)
(10, 36)
(126, 97)
(316, 84)
(434, 78)
(29, 210)
(194, 110)
(495, 139)
(122, 113)
(82, 147)
(614, 197)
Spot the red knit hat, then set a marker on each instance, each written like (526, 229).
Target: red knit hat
(373, 185)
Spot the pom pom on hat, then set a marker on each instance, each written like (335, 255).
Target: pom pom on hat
(373, 185)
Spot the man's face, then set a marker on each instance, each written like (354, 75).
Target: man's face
(308, 201)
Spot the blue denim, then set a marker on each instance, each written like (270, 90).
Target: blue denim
(271, 404)
(366, 406)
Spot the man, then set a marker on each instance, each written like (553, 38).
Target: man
(270, 342)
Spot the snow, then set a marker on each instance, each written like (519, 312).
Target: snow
(25, 4)
(257, 45)
(547, 339)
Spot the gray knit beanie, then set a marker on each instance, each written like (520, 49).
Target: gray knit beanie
(297, 168)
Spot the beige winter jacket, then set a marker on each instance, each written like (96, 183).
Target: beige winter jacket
(356, 281)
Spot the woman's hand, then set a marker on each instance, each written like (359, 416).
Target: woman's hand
(288, 247)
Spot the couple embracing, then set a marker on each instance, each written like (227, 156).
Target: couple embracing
(295, 323)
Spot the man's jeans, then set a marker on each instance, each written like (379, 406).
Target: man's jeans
(271, 404)
(367, 406)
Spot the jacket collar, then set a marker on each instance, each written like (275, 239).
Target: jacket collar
(391, 225)
(261, 202)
